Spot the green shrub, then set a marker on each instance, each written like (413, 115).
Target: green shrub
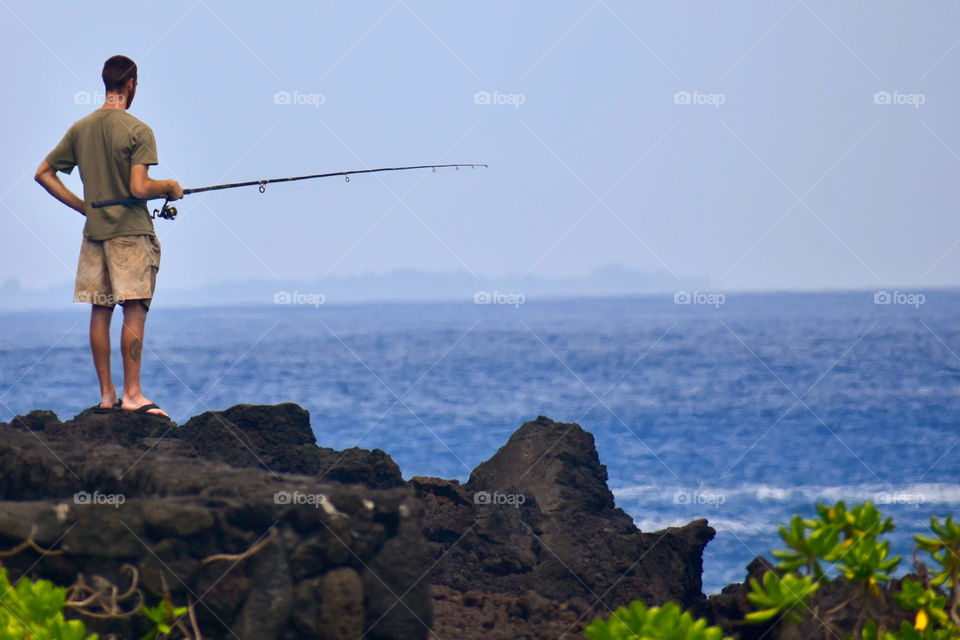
(833, 534)
(164, 617)
(945, 549)
(34, 611)
(638, 622)
(806, 551)
(861, 521)
(866, 562)
(847, 539)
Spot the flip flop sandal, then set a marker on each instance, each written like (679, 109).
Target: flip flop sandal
(98, 409)
(146, 409)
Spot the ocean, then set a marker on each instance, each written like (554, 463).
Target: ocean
(743, 409)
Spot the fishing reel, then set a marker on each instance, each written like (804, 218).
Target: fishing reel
(166, 212)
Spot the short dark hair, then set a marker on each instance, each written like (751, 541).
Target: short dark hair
(116, 71)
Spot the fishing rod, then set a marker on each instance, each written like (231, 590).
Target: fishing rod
(169, 213)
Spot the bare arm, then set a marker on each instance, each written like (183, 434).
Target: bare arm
(48, 178)
(143, 186)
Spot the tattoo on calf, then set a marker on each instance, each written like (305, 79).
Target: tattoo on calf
(136, 348)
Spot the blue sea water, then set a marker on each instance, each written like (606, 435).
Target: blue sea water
(743, 413)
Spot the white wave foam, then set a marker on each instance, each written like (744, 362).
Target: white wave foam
(743, 527)
(722, 525)
(917, 493)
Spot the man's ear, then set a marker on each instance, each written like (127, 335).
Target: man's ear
(130, 90)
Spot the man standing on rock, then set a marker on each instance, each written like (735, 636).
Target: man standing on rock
(120, 254)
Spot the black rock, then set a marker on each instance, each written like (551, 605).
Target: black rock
(117, 495)
(279, 438)
(538, 516)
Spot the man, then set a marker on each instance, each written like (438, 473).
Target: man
(120, 254)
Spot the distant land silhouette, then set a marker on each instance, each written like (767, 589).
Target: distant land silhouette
(399, 285)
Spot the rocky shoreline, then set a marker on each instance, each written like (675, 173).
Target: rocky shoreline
(267, 535)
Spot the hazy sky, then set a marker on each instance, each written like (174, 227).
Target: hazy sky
(779, 167)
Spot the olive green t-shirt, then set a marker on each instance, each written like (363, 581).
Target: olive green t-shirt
(105, 144)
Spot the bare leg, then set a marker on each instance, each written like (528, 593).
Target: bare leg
(131, 341)
(100, 347)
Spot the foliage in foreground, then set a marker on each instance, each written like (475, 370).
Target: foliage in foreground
(639, 622)
(778, 597)
(848, 542)
(164, 617)
(34, 611)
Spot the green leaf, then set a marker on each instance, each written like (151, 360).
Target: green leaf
(757, 617)
(778, 595)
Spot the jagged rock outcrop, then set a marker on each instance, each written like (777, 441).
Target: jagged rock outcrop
(538, 516)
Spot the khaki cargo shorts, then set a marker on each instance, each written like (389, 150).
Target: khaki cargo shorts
(110, 272)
